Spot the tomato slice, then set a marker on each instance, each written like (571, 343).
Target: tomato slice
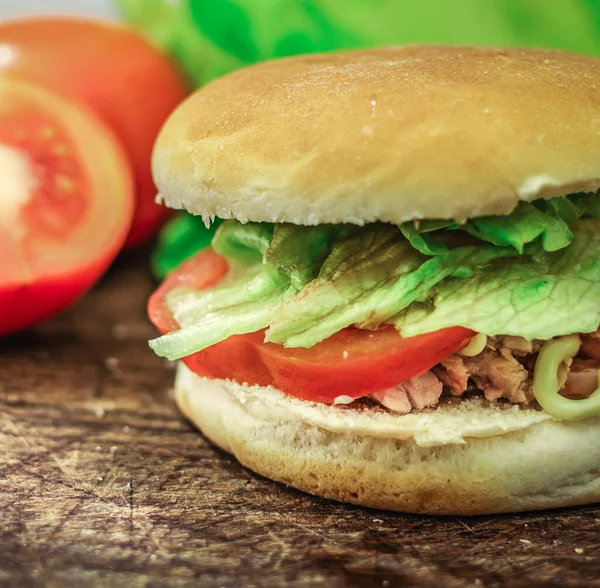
(66, 203)
(352, 363)
(110, 69)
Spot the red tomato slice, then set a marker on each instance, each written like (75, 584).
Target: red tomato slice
(66, 202)
(113, 71)
(351, 363)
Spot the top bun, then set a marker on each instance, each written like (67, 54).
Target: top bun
(385, 135)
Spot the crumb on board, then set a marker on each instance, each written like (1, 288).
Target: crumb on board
(99, 411)
(120, 331)
(112, 363)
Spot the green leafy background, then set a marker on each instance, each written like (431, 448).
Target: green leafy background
(212, 37)
(209, 38)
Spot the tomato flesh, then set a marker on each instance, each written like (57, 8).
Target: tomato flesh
(352, 363)
(110, 69)
(68, 207)
(59, 198)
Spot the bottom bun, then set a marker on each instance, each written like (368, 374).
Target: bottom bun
(463, 457)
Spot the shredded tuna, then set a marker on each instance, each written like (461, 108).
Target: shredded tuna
(591, 345)
(582, 379)
(394, 399)
(500, 376)
(509, 346)
(503, 370)
(419, 393)
(496, 370)
(453, 374)
(423, 390)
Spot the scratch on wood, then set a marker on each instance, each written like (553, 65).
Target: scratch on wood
(131, 502)
(16, 431)
(466, 527)
(64, 464)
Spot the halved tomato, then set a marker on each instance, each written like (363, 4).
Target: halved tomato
(66, 202)
(110, 69)
(352, 363)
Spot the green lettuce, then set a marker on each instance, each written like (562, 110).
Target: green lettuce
(269, 263)
(538, 296)
(295, 251)
(303, 284)
(367, 280)
(216, 326)
(544, 220)
(246, 244)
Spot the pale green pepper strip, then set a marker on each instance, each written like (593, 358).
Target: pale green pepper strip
(546, 387)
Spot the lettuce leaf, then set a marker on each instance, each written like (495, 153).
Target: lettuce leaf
(358, 268)
(305, 247)
(537, 297)
(299, 252)
(544, 220)
(255, 284)
(296, 251)
(523, 226)
(418, 235)
(213, 327)
(243, 243)
(368, 279)
(270, 263)
(304, 284)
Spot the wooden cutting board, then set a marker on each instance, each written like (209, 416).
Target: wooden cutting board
(102, 483)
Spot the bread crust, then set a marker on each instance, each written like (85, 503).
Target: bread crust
(385, 135)
(535, 463)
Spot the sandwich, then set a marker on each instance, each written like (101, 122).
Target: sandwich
(401, 307)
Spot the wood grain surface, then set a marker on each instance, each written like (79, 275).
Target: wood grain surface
(102, 483)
